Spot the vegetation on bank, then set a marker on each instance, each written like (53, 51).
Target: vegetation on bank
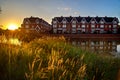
(53, 59)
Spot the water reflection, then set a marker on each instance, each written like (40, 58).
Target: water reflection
(14, 41)
(98, 46)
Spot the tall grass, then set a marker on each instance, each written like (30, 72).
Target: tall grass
(53, 59)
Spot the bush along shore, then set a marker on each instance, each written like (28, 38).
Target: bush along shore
(54, 59)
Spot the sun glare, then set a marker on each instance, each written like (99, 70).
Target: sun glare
(12, 27)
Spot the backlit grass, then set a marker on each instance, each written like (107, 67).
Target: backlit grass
(53, 59)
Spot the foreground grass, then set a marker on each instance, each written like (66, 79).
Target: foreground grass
(53, 59)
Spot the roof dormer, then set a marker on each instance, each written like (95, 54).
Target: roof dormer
(102, 21)
(54, 21)
(74, 20)
(26, 21)
(64, 21)
(37, 21)
(83, 20)
(115, 20)
(93, 21)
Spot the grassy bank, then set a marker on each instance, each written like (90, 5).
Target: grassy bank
(54, 59)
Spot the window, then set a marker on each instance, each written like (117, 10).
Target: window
(74, 22)
(79, 31)
(109, 26)
(83, 22)
(83, 30)
(54, 31)
(87, 26)
(101, 47)
(114, 30)
(101, 42)
(64, 30)
(115, 22)
(106, 26)
(73, 30)
(37, 21)
(32, 27)
(92, 26)
(59, 26)
(93, 30)
(54, 26)
(26, 22)
(83, 26)
(97, 26)
(113, 47)
(93, 22)
(101, 26)
(54, 22)
(101, 30)
(83, 43)
(113, 43)
(73, 43)
(64, 26)
(78, 26)
(64, 22)
(74, 26)
(114, 26)
(27, 26)
(92, 43)
(101, 22)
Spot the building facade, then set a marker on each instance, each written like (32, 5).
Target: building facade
(86, 25)
(35, 24)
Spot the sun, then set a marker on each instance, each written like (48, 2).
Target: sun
(12, 27)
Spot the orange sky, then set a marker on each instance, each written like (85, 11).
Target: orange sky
(14, 11)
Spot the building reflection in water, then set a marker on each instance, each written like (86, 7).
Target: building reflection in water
(97, 46)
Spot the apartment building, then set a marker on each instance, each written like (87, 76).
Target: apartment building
(85, 25)
(35, 24)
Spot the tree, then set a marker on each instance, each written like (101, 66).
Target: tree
(0, 10)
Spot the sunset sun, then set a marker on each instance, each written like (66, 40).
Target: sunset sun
(12, 27)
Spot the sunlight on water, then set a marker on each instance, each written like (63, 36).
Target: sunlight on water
(14, 41)
(3, 39)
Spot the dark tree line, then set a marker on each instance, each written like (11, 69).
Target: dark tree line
(0, 10)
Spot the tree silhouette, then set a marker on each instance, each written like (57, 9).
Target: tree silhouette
(0, 10)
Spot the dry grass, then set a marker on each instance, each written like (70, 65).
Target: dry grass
(53, 59)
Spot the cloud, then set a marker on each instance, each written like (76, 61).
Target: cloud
(68, 11)
(64, 9)
(76, 13)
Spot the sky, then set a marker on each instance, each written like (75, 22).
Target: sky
(14, 11)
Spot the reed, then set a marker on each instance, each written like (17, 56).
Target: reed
(50, 58)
